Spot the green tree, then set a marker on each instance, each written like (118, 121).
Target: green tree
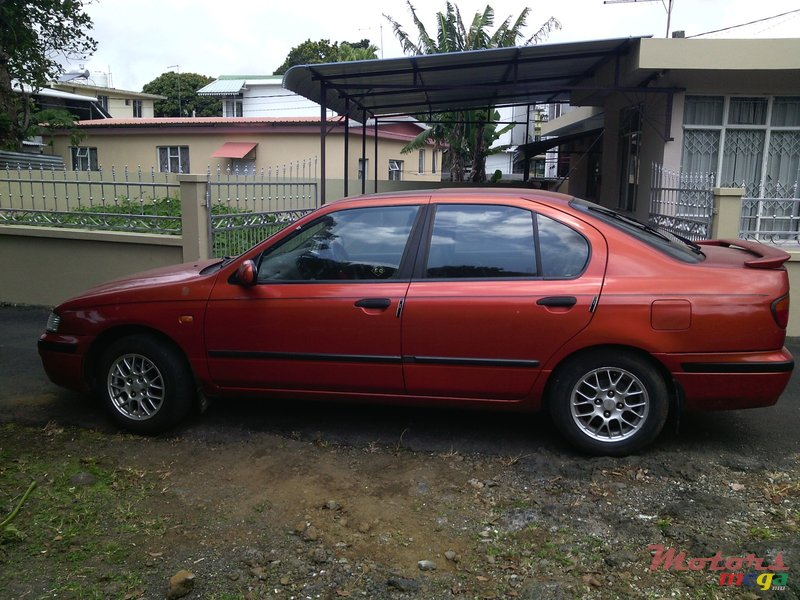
(35, 36)
(465, 135)
(180, 89)
(50, 120)
(309, 53)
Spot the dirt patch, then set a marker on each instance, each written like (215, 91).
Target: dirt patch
(280, 516)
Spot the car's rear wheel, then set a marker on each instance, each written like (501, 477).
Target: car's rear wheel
(145, 384)
(609, 403)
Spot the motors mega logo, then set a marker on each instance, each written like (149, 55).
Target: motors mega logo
(747, 570)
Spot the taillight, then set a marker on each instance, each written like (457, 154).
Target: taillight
(780, 311)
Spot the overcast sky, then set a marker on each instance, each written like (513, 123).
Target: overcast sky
(140, 39)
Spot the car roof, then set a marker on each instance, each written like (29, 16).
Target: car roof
(466, 193)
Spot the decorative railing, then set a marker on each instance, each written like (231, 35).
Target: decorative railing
(115, 200)
(682, 203)
(772, 220)
(246, 206)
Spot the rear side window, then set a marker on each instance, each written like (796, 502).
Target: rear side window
(482, 241)
(564, 251)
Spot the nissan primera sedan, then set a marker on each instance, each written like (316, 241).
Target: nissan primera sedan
(509, 299)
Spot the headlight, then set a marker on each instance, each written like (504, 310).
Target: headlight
(53, 321)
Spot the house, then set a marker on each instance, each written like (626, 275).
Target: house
(725, 107)
(259, 96)
(120, 104)
(245, 144)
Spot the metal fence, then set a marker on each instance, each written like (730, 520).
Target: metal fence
(115, 200)
(682, 203)
(249, 205)
(772, 220)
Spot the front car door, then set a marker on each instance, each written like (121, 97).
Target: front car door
(323, 315)
(497, 290)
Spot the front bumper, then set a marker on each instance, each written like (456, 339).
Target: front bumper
(63, 359)
(730, 380)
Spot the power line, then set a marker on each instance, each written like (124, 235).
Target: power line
(797, 10)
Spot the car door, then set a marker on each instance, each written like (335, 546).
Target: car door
(498, 290)
(323, 314)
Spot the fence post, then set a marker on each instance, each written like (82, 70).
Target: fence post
(727, 218)
(194, 217)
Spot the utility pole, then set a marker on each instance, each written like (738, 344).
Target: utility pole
(667, 7)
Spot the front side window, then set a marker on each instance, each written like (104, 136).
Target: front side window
(173, 159)
(84, 159)
(352, 244)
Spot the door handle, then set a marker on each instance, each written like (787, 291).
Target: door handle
(558, 301)
(380, 303)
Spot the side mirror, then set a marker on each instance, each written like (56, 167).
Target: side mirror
(247, 274)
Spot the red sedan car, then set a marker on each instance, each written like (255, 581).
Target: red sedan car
(514, 299)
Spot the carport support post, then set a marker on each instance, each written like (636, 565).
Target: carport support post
(195, 217)
(727, 217)
(346, 147)
(376, 154)
(363, 164)
(323, 111)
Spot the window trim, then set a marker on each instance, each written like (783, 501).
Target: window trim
(404, 269)
(84, 153)
(180, 148)
(426, 232)
(396, 166)
(725, 126)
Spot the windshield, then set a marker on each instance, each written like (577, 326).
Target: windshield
(668, 243)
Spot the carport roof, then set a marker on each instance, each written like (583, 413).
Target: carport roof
(458, 80)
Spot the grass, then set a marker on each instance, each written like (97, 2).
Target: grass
(81, 524)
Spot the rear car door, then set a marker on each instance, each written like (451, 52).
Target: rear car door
(497, 290)
(324, 312)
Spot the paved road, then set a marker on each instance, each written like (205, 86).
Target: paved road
(28, 397)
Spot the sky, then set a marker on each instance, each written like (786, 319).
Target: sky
(138, 40)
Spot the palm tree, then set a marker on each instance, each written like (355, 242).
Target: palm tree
(466, 135)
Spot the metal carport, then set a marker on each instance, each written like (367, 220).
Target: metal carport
(425, 85)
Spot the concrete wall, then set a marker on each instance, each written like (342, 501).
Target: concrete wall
(45, 266)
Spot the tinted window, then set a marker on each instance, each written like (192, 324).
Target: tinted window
(564, 252)
(482, 241)
(665, 242)
(359, 243)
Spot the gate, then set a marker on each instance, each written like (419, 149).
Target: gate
(246, 207)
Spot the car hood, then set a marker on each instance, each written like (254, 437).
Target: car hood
(176, 282)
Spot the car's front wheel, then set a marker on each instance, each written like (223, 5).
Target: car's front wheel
(145, 384)
(609, 403)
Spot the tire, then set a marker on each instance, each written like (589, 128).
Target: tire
(609, 403)
(145, 384)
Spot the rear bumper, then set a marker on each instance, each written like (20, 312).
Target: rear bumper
(62, 359)
(731, 380)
